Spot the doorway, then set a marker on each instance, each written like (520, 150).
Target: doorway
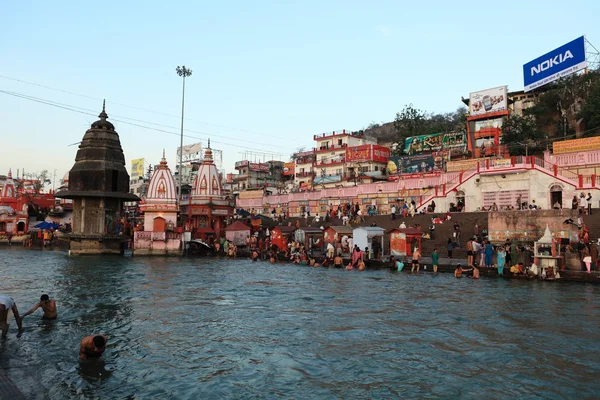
(556, 196)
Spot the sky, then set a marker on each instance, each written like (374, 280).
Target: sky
(267, 75)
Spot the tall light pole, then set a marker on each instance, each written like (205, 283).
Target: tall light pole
(184, 73)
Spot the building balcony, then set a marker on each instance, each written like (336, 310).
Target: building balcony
(323, 149)
(304, 174)
(327, 163)
(305, 160)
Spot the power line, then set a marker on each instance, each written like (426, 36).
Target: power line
(139, 108)
(89, 112)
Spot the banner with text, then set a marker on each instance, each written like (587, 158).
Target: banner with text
(576, 145)
(563, 61)
(435, 142)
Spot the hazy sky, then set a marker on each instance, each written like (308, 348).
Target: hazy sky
(267, 75)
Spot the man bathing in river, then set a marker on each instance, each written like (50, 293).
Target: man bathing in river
(47, 305)
(92, 347)
(8, 304)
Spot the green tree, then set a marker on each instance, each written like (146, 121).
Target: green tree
(409, 122)
(590, 111)
(522, 135)
(40, 179)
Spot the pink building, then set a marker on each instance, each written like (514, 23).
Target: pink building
(159, 236)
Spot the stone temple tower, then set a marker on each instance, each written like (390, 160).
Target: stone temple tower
(98, 185)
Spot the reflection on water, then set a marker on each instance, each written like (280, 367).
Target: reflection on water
(182, 328)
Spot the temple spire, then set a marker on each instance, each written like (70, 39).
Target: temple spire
(9, 173)
(209, 143)
(103, 116)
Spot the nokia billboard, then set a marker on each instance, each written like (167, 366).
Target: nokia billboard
(565, 60)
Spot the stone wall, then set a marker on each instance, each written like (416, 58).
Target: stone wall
(529, 226)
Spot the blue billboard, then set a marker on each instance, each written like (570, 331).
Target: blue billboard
(565, 60)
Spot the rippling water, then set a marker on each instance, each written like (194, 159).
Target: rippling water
(212, 328)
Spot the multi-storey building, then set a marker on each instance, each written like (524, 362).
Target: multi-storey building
(331, 168)
(304, 170)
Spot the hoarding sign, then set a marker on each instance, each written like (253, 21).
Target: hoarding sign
(576, 145)
(259, 167)
(435, 142)
(288, 168)
(462, 165)
(563, 61)
(239, 164)
(358, 153)
(137, 168)
(191, 151)
(413, 164)
(381, 154)
(488, 101)
(367, 152)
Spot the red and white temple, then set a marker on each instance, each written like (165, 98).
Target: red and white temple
(14, 209)
(159, 235)
(207, 208)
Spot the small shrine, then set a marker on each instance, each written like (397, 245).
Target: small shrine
(14, 219)
(159, 234)
(207, 208)
(98, 186)
(547, 254)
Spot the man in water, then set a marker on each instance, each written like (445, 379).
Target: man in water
(92, 347)
(47, 305)
(8, 304)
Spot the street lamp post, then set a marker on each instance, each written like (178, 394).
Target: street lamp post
(184, 73)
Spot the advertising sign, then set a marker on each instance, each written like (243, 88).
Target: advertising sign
(137, 168)
(259, 167)
(575, 145)
(288, 168)
(240, 164)
(488, 101)
(191, 151)
(358, 153)
(462, 165)
(565, 60)
(434, 142)
(380, 153)
(413, 164)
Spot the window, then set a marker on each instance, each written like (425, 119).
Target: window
(340, 142)
(338, 171)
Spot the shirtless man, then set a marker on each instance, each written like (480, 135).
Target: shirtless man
(475, 273)
(47, 305)
(92, 347)
(460, 270)
(8, 304)
(337, 262)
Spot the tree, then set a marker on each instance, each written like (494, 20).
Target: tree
(590, 111)
(40, 179)
(409, 122)
(522, 135)
(300, 149)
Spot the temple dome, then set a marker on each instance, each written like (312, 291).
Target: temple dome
(207, 182)
(102, 123)
(9, 186)
(162, 188)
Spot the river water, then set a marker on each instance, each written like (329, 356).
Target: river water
(215, 328)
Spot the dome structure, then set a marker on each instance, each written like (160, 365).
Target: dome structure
(99, 169)
(207, 183)
(9, 186)
(162, 190)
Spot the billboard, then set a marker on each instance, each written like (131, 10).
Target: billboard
(563, 61)
(259, 167)
(435, 142)
(488, 101)
(419, 164)
(288, 168)
(576, 145)
(367, 152)
(137, 168)
(191, 152)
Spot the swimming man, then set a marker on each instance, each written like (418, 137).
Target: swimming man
(47, 305)
(92, 347)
